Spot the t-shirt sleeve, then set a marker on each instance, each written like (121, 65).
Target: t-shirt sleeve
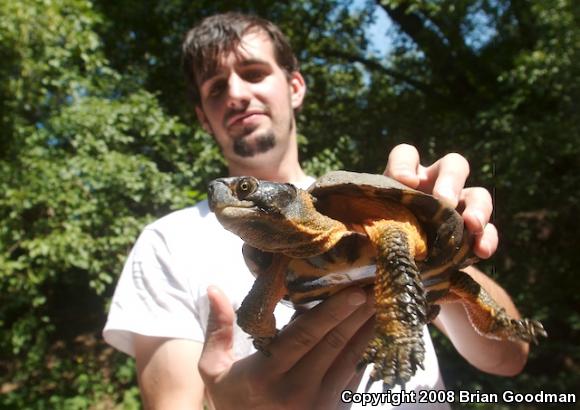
(152, 297)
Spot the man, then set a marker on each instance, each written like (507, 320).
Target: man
(166, 310)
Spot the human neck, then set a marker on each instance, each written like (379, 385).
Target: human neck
(280, 172)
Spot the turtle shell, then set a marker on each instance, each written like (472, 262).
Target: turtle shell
(342, 195)
(442, 223)
(408, 244)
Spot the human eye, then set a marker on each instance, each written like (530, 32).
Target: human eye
(255, 75)
(216, 88)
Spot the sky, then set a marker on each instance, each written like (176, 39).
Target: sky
(478, 33)
(377, 32)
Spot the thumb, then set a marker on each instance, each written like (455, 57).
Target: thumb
(217, 355)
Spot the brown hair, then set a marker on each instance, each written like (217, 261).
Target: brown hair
(221, 34)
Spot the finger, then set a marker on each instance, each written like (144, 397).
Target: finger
(217, 355)
(343, 373)
(486, 244)
(354, 382)
(324, 354)
(306, 331)
(478, 207)
(403, 165)
(447, 178)
(351, 386)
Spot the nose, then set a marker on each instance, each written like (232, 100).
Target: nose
(211, 189)
(238, 92)
(218, 193)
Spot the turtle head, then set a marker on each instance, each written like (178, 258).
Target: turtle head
(270, 216)
(239, 197)
(262, 213)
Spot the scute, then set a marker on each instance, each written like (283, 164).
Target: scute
(443, 225)
(425, 207)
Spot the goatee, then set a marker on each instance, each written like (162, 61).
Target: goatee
(246, 147)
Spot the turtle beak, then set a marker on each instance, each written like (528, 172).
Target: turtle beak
(218, 193)
(221, 195)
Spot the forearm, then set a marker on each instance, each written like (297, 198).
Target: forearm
(167, 372)
(505, 358)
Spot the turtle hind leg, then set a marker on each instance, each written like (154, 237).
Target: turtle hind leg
(487, 317)
(256, 313)
(397, 348)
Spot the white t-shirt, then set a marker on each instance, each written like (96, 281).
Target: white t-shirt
(162, 290)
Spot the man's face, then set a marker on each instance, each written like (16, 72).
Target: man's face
(248, 103)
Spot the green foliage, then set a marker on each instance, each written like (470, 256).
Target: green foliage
(87, 160)
(97, 140)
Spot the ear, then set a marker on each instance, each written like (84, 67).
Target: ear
(201, 117)
(297, 89)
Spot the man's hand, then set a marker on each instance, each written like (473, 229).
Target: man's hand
(445, 179)
(311, 361)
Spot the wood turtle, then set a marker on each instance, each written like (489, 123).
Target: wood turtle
(359, 228)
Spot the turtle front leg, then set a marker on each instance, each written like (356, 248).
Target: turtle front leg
(401, 309)
(486, 316)
(256, 313)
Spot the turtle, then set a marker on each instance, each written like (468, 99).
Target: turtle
(356, 228)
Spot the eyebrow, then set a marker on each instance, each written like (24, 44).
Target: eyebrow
(253, 61)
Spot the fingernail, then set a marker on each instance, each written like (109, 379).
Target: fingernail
(485, 249)
(357, 298)
(405, 176)
(479, 216)
(403, 172)
(447, 193)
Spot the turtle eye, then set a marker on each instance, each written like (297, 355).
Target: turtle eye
(245, 187)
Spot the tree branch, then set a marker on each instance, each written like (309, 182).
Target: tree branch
(376, 66)
(453, 64)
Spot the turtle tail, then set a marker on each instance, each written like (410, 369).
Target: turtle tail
(401, 310)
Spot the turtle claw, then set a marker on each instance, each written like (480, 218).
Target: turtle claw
(395, 360)
(261, 344)
(386, 387)
(507, 328)
(528, 330)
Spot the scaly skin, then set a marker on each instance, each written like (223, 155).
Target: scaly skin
(397, 348)
(256, 314)
(486, 316)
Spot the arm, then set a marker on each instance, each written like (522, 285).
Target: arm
(445, 179)
(168, 376)
(505, 358)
